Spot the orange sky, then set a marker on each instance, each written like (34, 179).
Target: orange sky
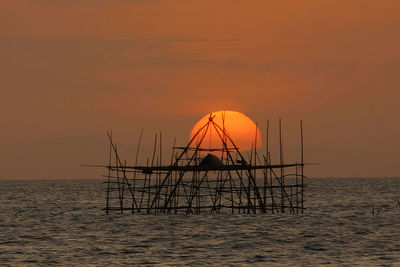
(71, 69)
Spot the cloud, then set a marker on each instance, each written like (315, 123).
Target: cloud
(167, 61)
(45, 63)
(92, 2)
(195, 40)
(267, 67)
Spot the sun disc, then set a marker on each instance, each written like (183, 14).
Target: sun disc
(242, 130)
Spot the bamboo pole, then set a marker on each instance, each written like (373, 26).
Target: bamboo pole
(169, 181)
(152, 164)
(159, 173)
(118, 183)
(282, 172)
(271, 184)
(136, 161)
(265, 163)
(297, 190)
(302, 167)
(255, 161)
(108, 180)
(144, 186)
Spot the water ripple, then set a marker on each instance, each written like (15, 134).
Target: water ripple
(67, 227)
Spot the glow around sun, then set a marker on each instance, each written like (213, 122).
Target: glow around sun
(240, 128)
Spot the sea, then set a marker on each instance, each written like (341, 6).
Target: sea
(348, 222)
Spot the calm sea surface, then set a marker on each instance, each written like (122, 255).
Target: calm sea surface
(61, 223)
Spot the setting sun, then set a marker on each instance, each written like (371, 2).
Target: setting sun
(243, 131)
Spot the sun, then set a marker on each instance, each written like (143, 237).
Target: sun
(243, 131)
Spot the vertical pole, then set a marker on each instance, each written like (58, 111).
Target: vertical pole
(266, 170)
(169, 182)
(123, 184)
(248, 185)
(297, 189)
(118, 181)
(255, 170)
(158, 172)
(302, 167)
(240, 190)
(156, 187)
(224, 134)
(149, 189)
(136, 161)
(271, 184)
(291, 200)
(160, 148)
(176, 193)
(144, 187)
(199, 196)
(210, 132)
(282, 173)
(108, 180)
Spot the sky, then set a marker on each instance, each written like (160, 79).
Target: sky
(72, 69)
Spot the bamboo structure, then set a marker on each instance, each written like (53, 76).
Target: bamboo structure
(197, 181)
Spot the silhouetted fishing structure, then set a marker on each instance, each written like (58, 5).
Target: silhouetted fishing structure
(197, 181)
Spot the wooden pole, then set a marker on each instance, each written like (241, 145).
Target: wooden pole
(159, 173)
(144, 186)
(255, 163)
(297, 190)
(136, 161)
(266, 171)
(169, 182)
(108, 180)
(282, 172)
(273, 203)
(302, 167)
(118, 182)
(152, 164)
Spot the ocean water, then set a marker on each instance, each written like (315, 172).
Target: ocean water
(61, 223)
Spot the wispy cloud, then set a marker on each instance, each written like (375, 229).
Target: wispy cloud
(93, 2)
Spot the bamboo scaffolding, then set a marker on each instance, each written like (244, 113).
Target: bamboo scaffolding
(192, 185)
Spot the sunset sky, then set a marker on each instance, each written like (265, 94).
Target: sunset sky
(72, 69)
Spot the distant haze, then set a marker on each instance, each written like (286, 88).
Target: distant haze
(72, 69)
